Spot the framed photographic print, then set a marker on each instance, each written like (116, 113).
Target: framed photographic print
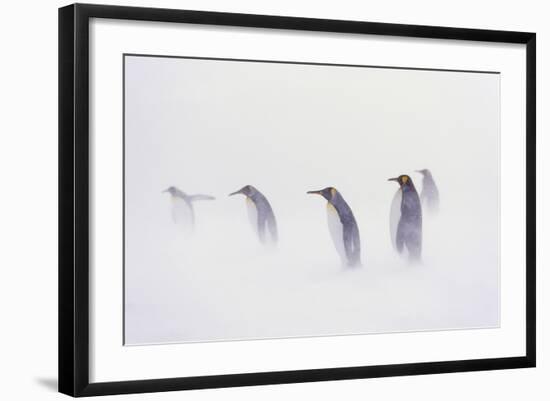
(249, 199)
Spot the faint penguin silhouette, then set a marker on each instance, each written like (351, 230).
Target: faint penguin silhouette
(429, 196)
(260, 214)
(183, 212)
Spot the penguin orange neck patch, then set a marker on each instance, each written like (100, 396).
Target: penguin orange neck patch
(404, 179)
(332, 192)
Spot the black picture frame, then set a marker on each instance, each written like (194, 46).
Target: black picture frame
(74, 191)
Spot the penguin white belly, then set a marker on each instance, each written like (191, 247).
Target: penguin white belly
(336, 231)
(395, 215)
(252, 214)
(182, 215)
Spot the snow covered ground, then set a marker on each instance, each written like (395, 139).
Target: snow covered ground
(212, 127)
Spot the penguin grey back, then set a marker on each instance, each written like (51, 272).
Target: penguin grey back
(266, 224)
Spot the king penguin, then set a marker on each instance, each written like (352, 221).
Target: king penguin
(406, 218)
(430, 194)
(260, 214)
(342, 226)
(183, 213)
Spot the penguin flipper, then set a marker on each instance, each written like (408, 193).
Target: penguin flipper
(272, 226)
(400, 237)
(261, 229)
(336, 229)
(395, 216)
(357, 246)
(198, 197)
(351, 244)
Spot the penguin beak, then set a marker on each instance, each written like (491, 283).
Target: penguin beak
(314, 192)
(163, 192)
(393, 179)
(235, 193)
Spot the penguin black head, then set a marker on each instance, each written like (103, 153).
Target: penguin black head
(247, 190)
(328, 193)
(171, 190)
(404, 181)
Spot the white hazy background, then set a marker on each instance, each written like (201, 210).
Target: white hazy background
(212, 127)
